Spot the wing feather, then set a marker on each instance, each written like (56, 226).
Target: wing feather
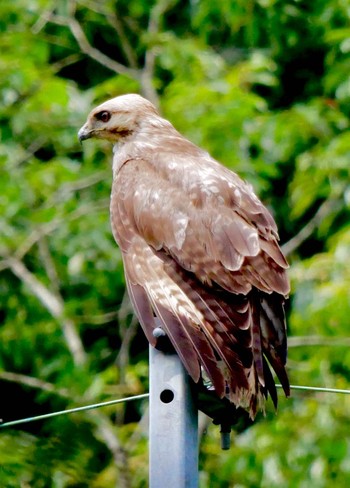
(216, 241)
(179, 317)
(201, 254)
(142, 307)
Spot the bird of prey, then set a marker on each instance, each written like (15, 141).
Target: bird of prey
(200, 253)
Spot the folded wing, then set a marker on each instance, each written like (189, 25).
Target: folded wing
(201, 254)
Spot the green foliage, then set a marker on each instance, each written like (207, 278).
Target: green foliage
(264, 87)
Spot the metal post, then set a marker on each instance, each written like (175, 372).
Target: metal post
(173, 429)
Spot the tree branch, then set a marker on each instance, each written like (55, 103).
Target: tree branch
(67, 188)
(106, 431)
(90, 51)
(314, 340)
(147, 86)
(104, 318)
(117, 25)
(54, 305)
(127, 332)
(51, 300)
(49, 227)
(29, 152)
(64, 62)
(49, 264)
(141, 430)
(296, 241)
(33, 383)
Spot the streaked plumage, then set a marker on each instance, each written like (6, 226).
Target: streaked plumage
(200, 252)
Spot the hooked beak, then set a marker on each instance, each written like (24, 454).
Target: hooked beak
(84, 134)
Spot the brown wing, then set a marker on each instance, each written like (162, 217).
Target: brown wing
(200, 252)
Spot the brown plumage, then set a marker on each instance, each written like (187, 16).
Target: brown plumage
(200, 253)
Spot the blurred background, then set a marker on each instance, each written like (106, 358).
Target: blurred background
(264, 86)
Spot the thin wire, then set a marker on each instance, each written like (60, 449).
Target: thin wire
(73, 410)
(146, 395)
(317, 388)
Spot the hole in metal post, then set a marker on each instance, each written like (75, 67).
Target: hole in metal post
(167, 396)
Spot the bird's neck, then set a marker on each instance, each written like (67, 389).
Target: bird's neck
(152, 137)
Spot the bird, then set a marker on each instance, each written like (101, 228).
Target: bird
(200, 253)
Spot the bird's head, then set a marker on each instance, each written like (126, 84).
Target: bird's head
(117, 118)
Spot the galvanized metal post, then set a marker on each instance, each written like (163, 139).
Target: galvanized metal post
(173, 429)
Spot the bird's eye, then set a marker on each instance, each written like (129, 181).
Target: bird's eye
(103, 116)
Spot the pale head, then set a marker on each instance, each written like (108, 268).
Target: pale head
(117, 118)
